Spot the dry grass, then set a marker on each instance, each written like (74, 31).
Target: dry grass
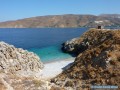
(92, 66)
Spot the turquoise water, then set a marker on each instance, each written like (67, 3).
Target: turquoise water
(45, 42)
(51, 53)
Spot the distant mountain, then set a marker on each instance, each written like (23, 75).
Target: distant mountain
(69, 20)
(111, 15)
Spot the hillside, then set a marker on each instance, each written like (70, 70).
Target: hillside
(97, 61)
(62, 21)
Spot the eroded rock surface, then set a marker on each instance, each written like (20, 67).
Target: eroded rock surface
(18, 68)
(17, 60)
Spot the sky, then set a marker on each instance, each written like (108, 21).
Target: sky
(19, 9)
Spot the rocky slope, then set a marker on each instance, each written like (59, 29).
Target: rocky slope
(15, 60)
(69, 20)
(97, 61)
(18, 68)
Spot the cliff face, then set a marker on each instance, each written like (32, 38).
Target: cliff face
(97, 63)
(18, 68)
(62, 21)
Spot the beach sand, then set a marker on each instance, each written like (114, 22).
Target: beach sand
(53, 69)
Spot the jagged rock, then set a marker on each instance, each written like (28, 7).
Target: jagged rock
(69, 46)
(17, 60)
(73, 46)
(18, 69)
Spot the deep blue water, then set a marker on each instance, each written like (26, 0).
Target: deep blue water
(45, 42)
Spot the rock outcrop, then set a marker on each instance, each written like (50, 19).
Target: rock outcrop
(97, 61)
(17, 60)
(75, 45)
(18, 69)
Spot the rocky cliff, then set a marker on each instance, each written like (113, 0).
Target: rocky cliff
(62, 21)
(15, 60)
(97, 61)
(18, 68)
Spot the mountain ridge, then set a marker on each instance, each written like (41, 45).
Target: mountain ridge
(62, 21)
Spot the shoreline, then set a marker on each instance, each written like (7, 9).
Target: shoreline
(52, 69)
(66, 59)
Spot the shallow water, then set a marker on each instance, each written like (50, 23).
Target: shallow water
(50, 53)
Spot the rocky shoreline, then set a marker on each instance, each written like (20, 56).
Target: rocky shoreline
(97, 62)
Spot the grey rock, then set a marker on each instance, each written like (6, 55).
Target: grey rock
(17, 60)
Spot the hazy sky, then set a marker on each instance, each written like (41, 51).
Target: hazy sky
(18, 9)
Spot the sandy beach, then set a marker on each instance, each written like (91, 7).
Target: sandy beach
(52, 69)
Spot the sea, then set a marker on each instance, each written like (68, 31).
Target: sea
(45, 42)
